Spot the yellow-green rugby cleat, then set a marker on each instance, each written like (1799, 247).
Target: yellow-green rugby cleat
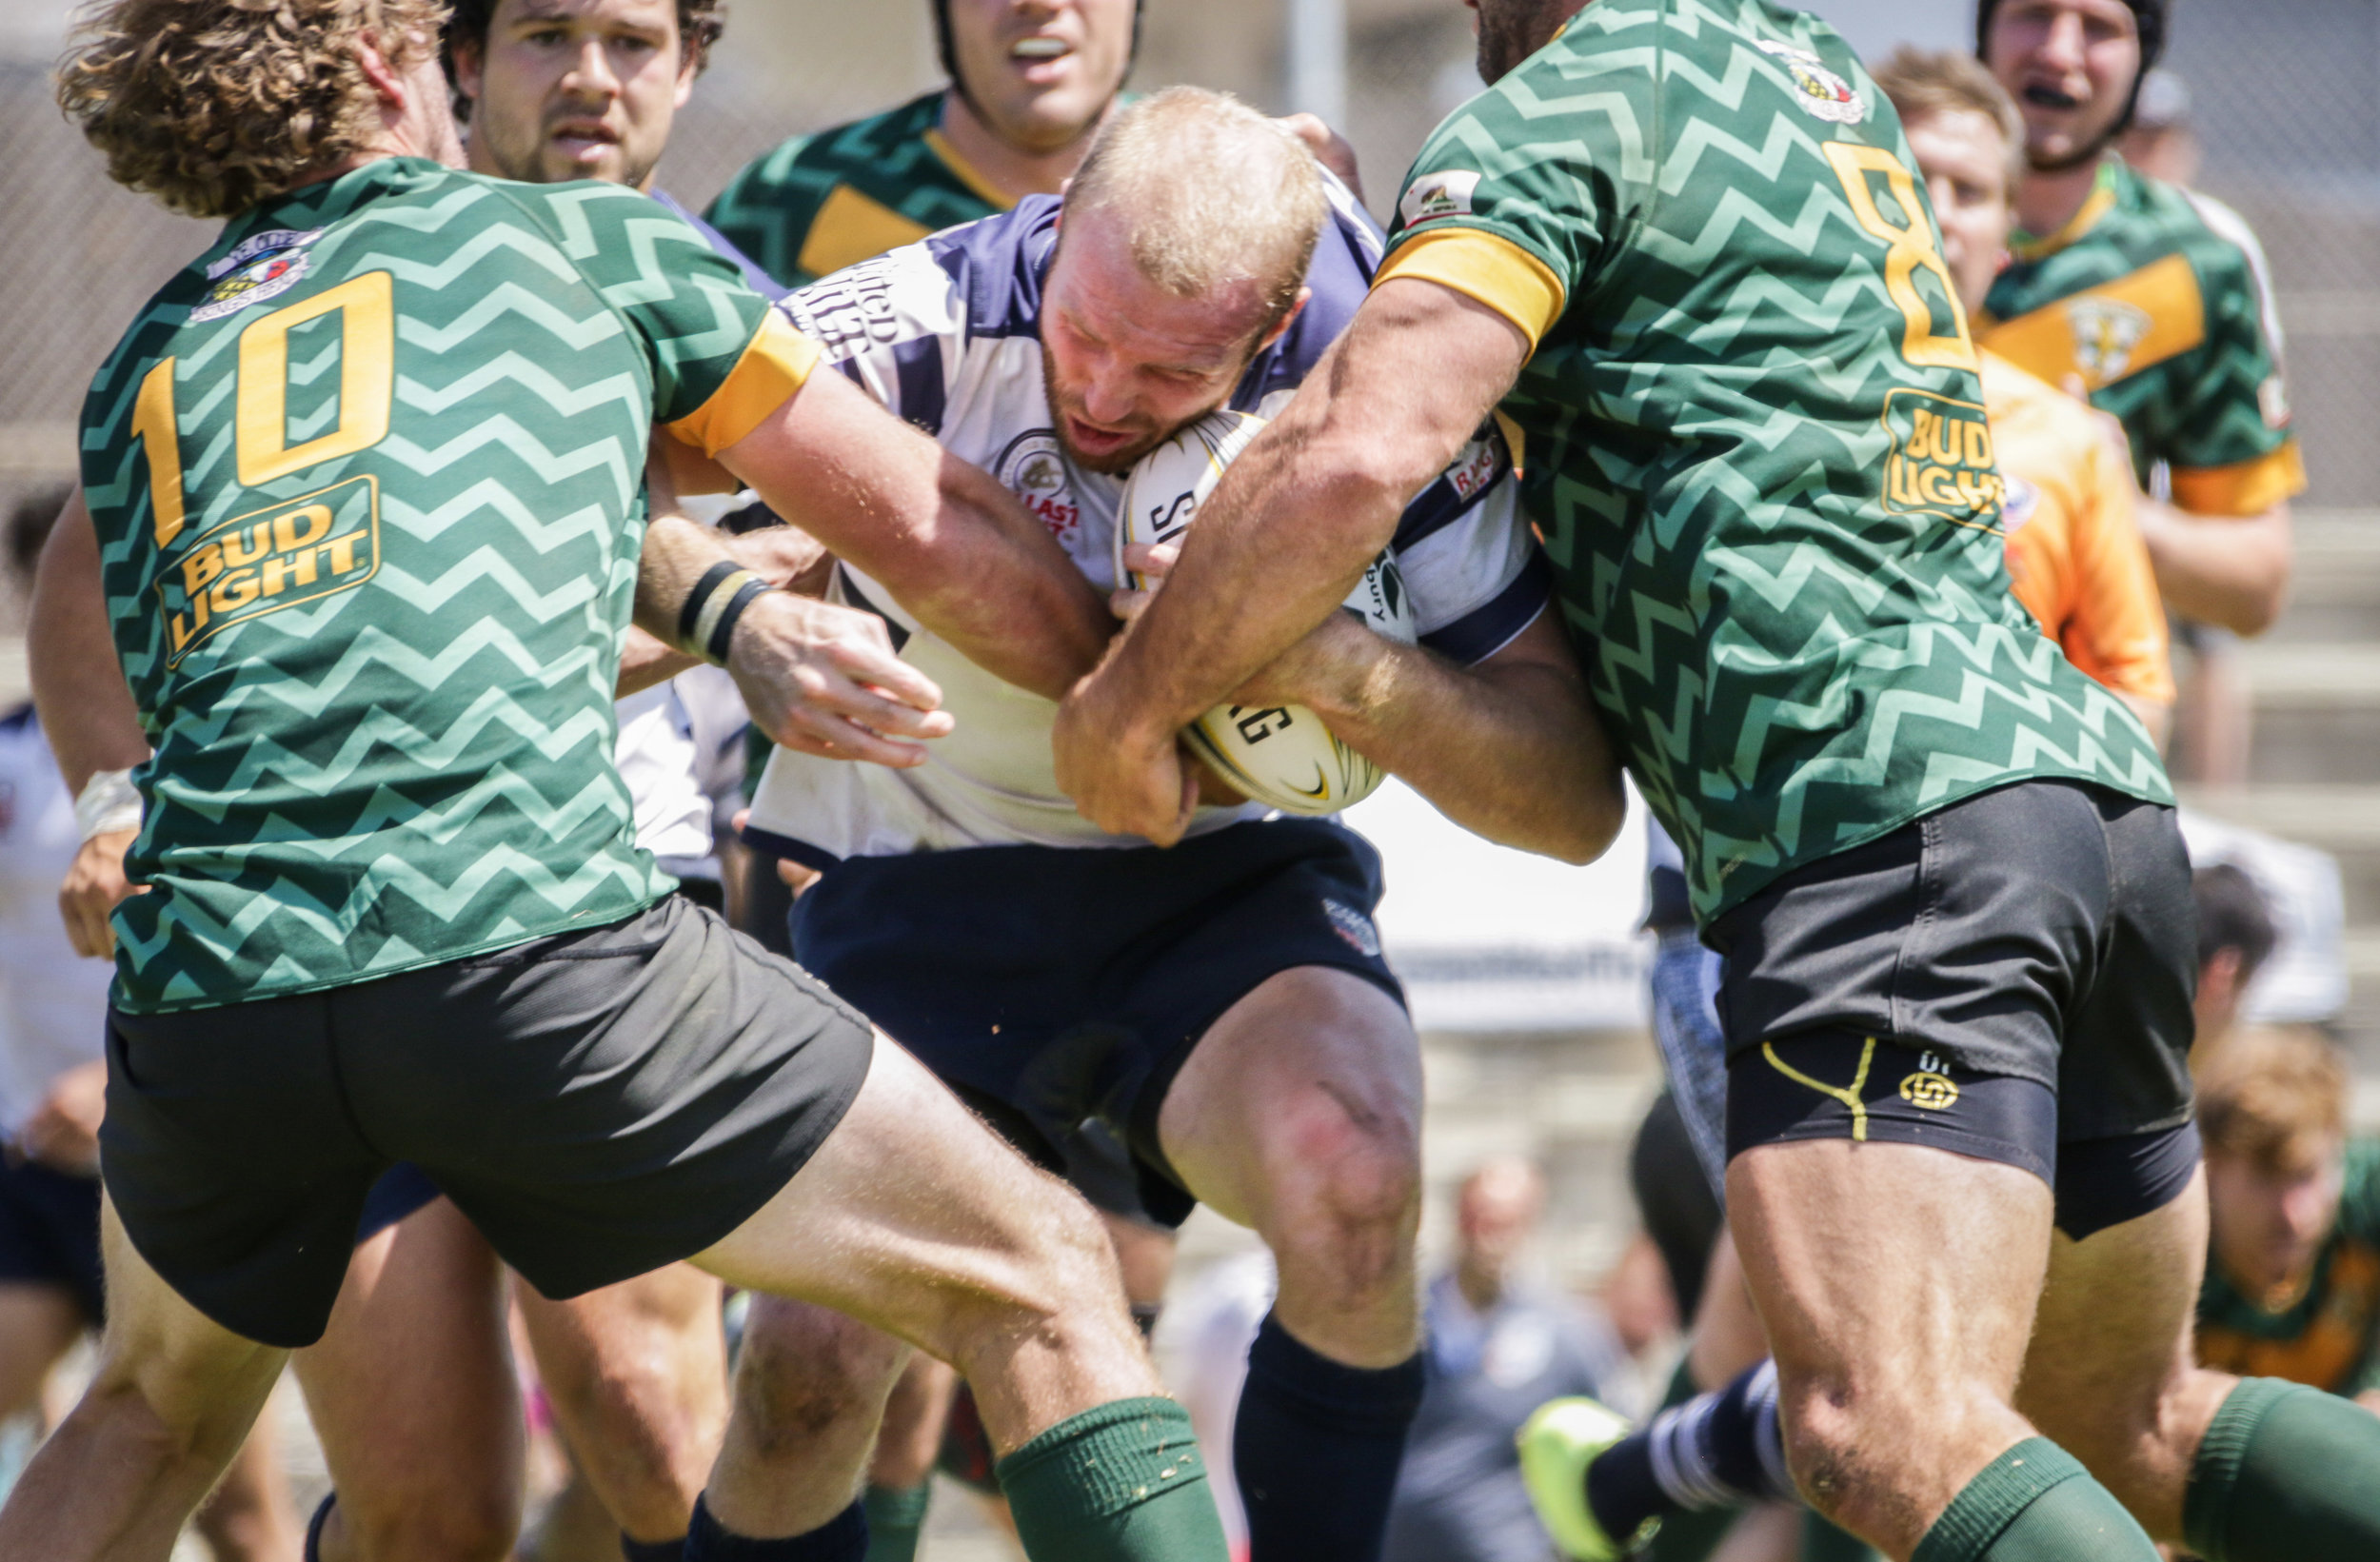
(1556, 1445)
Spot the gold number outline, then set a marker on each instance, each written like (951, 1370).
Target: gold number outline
(1907, 248)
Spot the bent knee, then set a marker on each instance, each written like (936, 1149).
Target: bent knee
(804, 1371)
(1348, 1180)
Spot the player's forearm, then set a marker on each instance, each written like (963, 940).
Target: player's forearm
(86, 712)
(2232, 571)
(992, 583)
(1314, 499)
(1509, 749)
(947, 541)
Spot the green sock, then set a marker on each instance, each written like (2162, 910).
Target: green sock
(2035, 1503)
(1120, 1483)
(2286, 1472)
(1692, 1535)
(896, 1516)
(1823, 1542)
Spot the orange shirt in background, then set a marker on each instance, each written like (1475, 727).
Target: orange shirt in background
(2075, 556)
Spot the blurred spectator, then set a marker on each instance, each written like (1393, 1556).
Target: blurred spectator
(1203, 1345)
(2303, 980)
(53, 1080)
(2293, 1285)
(2235, 938)
(1499, 1347)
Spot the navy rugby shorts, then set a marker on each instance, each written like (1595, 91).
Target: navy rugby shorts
(1059, 990)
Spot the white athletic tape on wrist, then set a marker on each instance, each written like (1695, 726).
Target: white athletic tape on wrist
(108, 803)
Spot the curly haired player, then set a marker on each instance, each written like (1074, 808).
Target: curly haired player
(367, 521)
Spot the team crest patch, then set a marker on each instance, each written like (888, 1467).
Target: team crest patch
(1355, 927)
(261, 266)
(1034, 468)
(1929, 1089)
(2106, 331)
(1446, 194)
(1819, 91)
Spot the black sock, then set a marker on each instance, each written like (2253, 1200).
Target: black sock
(1714, 1451)
(314, 1528)
(843, 1539)
(652, 1550)
(1316, 1449)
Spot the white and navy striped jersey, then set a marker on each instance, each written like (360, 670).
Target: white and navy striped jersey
(54, 1005)
(946, 333)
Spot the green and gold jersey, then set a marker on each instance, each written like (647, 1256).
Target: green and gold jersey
(2151, 298)
(1753, 435)
(2325, 1332)
(367, 479)
(820, 203)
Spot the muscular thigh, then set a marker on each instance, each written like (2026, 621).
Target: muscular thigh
(2109, 1374)
(1315, 1066)
(411, 1386)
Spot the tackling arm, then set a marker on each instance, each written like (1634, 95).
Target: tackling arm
(1508, 747)
(949, 543)
(86, 712)
(1282, 538)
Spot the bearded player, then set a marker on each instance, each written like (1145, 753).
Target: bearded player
(370, 622)
(1221, 1007)
(1679, 244)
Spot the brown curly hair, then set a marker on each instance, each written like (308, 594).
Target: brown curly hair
(213, 105)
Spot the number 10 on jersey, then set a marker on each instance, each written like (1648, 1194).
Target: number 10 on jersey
(367, 341)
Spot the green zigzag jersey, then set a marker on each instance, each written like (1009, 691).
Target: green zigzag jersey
(1754, 437)
(393, 430)
(2328, 1334)
(820, 203)
(2151, 297)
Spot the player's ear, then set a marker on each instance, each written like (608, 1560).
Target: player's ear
(1289, 318)
(385, 84)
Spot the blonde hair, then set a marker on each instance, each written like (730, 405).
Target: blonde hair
(2276, 1095)
(1209, 192)
(1924, 81)
(213, 105)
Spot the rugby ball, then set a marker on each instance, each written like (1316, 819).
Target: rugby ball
(1281, 756)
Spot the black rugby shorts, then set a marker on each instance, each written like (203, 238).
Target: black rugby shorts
(2008, 977)
(599, 1104)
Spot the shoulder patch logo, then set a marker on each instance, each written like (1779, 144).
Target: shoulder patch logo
(2273, 400)
(1818, 90)
(262, 265)
(2106, 331)
(1445, 194)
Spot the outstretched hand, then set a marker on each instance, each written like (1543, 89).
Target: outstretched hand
(820, 679)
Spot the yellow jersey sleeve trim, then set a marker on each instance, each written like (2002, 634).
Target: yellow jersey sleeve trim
(2246, 488)
(1486, 266)
(968, 174)
(776, 363)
